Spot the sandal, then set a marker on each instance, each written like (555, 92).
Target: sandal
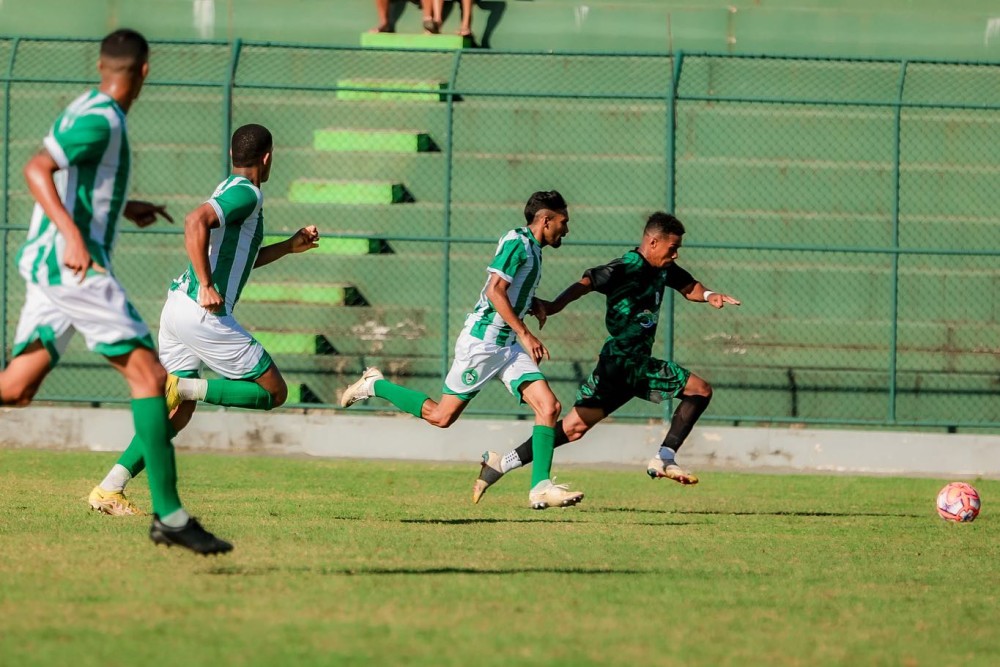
(430, 27)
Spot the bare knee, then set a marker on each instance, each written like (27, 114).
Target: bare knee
(696, 386)
(18, 396)
(548, 410)
(441, 421)
(279, 394)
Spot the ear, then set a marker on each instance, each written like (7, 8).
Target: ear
(145, 69)
(266, 160)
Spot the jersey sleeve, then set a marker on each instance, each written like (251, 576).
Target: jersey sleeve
(234, 205)
(678, 278)
(509, 258)
(603, 278)
(78, 140)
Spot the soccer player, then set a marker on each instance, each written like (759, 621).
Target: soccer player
(79, 181)
(223, 238)
(495, 342)
(633, 285)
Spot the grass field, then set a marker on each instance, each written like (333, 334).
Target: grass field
(350, 563)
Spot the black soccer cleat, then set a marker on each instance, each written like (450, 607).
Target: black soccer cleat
(190, 536)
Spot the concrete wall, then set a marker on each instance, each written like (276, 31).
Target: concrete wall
(329, 434)
(913, 28)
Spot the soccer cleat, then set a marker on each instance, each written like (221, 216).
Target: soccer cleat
(171, 393)
(190, 536)
(361, 389)
(112, 502)
(658, 468)
(489, 474)
(553, 495)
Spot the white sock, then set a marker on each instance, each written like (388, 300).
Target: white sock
(117, 478)
(510, 461)
(666, 454)
(192, 389)
(176, 519)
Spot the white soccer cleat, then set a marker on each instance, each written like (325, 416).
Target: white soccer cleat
(490, 473)
(657, 468)
(546, 494)
(361, 389)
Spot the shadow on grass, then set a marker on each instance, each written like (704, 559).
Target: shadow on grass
(539, 520)
(801, 513)
(244, 570)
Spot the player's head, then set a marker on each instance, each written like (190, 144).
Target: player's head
(123, 64)
(547, 214)
(251, 147)
(661, 239)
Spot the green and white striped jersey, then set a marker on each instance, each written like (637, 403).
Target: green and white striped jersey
(89, 142)
(518, 260)
(233, 245)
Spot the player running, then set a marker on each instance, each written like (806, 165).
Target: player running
(496, 343)
(223, 239)
(633, 285)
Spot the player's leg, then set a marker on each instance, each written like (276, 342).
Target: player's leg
(43, 332)
(665, 379)
(21, 379)
(544, 493)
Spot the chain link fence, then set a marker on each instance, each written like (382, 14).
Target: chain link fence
(846, 202)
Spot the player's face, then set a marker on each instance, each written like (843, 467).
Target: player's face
(663, 250)
(556, 229)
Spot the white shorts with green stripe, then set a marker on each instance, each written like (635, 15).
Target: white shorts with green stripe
(190, 337)
(477, 362)
(98, 308)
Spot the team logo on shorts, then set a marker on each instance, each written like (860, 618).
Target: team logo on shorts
(470, 377)
(646, 319)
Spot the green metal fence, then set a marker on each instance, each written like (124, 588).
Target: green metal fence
(848, 203)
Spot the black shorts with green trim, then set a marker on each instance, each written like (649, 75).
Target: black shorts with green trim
(616, 380)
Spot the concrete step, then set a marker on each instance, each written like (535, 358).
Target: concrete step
(372, 141)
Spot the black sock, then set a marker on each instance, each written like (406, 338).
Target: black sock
(685, 416)
(525, 453)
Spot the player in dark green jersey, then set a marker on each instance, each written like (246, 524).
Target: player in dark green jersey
(626, 369)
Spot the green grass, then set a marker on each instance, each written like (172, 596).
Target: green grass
(349, 563)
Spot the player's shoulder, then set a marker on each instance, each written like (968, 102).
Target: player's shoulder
(237, 187)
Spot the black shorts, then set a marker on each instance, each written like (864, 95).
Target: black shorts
(617, 379)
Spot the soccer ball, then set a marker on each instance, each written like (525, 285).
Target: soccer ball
(958, 501)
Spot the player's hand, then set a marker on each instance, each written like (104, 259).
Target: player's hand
(77, 259)
(306, 238)
(718, 300)
(534, 347)
(210, 299)
(540, 309)
(144, 213)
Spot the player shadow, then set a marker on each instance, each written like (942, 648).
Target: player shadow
(540, 520)
(801, 513)
(260, 570)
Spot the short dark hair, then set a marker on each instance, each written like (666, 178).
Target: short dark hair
(250, 143)
(663, 224)
(126, 45)
(549, 199)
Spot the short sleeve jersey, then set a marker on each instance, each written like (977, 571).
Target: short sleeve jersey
(634, 291)
(89, 142)
(234, 244)
(518, 260)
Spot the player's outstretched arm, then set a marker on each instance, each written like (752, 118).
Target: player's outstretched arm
(496, 292)
(699, 294)
(144, 213)
(306, 238)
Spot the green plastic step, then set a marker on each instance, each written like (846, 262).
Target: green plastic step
(407, 90)
(382, 141)
(395, 40)
(299, 392)
(281, 342)
(328, 294)
(312, 191)
(336, 245)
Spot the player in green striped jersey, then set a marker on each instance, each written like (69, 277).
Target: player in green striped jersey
(223, 238)
(626, 369)
(79, 181)
(496, 343)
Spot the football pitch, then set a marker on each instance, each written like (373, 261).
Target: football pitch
(361, 562)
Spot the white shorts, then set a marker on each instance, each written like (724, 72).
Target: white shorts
(191, 336)
(477, 362)
(98, 308)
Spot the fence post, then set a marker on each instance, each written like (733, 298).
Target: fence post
(671, 149)
(446, 221)
(894, 326)
(4, 264)
(227, 104)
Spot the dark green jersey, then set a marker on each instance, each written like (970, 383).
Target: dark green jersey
(635, 291)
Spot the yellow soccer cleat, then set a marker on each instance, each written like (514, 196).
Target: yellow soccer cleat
(112, 502)
(546, 494)
(657, 468)
(171, 393)
(489, 474)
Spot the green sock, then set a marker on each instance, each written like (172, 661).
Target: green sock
(152, 428)
(543, 440)
(407, 400)
(131, 458)
(238, 394)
